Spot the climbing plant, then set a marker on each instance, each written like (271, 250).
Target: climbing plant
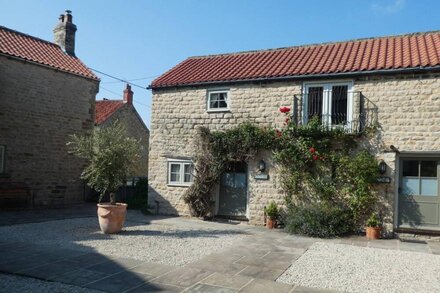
(322, 171)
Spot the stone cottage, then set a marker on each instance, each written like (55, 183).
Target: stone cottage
(394, 81)
(46, 94)
(123, 111)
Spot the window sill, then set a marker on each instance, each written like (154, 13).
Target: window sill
(218, 111)
(178, 185)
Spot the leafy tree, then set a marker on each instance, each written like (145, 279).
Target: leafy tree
(110, 157)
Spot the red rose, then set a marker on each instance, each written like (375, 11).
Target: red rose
(315, 157)
(284, 109)
(278, 133)
(312, 150)
(287, 121)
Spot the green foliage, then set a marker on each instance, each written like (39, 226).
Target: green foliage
(214, 151)
(374, 221)
(139, 201)
(272, 210)
(318, 219)
(110, 156)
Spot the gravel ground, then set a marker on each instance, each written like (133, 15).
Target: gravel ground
(18, 284)
(360, 269)
(164, 243)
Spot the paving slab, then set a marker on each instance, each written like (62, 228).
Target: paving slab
(384, 244)
(51, 270)
(183, 277)
(227, 281)
(261, 273)
(302, 289)
(219, 267)
(267, 263)
(416, 247)
(115, 265)
(154, 269)
(25, 263)
(203, 288)
(266, 287)
(79, 277)
(120, 282)
(89, 259)
(156, 287)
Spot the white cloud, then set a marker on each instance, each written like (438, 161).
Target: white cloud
(387, 7)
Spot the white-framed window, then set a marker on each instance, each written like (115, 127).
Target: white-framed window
(218, 100)
(331, 103)
(2, 158)
(180, 172)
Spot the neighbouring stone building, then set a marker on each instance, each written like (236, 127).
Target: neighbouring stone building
(392, 83)
(46, 94)
(123, 111)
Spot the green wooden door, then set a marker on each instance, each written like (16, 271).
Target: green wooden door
(419, 200)
(233, 191)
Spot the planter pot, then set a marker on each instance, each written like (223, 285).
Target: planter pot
(111, 217)
(373, 232)
(271, 223)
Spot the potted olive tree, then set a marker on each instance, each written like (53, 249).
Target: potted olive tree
(374, 227)
(272, 215)
(110, 157)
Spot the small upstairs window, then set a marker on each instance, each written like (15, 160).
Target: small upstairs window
(218, 100)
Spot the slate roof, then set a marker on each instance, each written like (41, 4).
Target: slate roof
(26, 47)
(106, 108)
(411, 51)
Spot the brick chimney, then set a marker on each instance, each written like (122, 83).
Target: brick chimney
(128, 95)
(64, 33)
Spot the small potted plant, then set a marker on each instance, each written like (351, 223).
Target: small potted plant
(110, 156)
(374, 227)
(272, 215)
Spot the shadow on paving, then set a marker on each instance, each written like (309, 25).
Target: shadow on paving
(82, 266)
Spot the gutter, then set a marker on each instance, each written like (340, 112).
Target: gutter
(305, 77)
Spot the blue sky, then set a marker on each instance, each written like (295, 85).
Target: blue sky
(140, 39)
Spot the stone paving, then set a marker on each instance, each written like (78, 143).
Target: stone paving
(252, 265)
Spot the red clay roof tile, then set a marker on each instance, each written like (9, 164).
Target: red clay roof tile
(105, 108)
(33, 49)
(385, 53)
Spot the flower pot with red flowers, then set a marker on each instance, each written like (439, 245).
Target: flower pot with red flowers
(272, 214)
(110, 157)
(374, 227)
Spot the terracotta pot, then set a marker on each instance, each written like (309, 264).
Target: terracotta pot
(373, 232)
(271, 223)
(111, 217)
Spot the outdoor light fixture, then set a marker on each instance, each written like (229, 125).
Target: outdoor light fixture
(382, 167)
(261, 166)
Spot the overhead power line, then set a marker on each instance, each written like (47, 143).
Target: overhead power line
(143, 78)
(119, 79)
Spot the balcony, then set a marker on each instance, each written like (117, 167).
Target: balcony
(336, 108)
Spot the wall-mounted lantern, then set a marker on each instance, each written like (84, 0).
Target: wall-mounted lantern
(382, 167)
(262, 166)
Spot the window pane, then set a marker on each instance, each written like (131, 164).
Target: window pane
(411, 168)
(410, 186)
(428, 168)
(429, 187)
(314, 102)
(187, 176)
(175, 177)
(175, 168)
(218, 100)
(339, 104)
(240, 180)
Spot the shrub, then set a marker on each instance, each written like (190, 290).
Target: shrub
(318, 219)
(272, 210)
(374, 221)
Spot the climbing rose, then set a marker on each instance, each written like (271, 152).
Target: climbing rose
(287, 121)
(315, 157)
(284, 109)
(312, 150)
(278, 132)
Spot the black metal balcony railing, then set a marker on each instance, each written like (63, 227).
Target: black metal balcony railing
(336, 108)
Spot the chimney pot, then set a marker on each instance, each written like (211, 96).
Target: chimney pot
(128, 95)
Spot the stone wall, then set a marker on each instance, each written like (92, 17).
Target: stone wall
(135, 128)
(406, 109)
(39, 108)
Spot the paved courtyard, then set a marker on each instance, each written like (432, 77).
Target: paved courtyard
(180, 254)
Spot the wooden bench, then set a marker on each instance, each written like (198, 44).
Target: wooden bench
(15, 195)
